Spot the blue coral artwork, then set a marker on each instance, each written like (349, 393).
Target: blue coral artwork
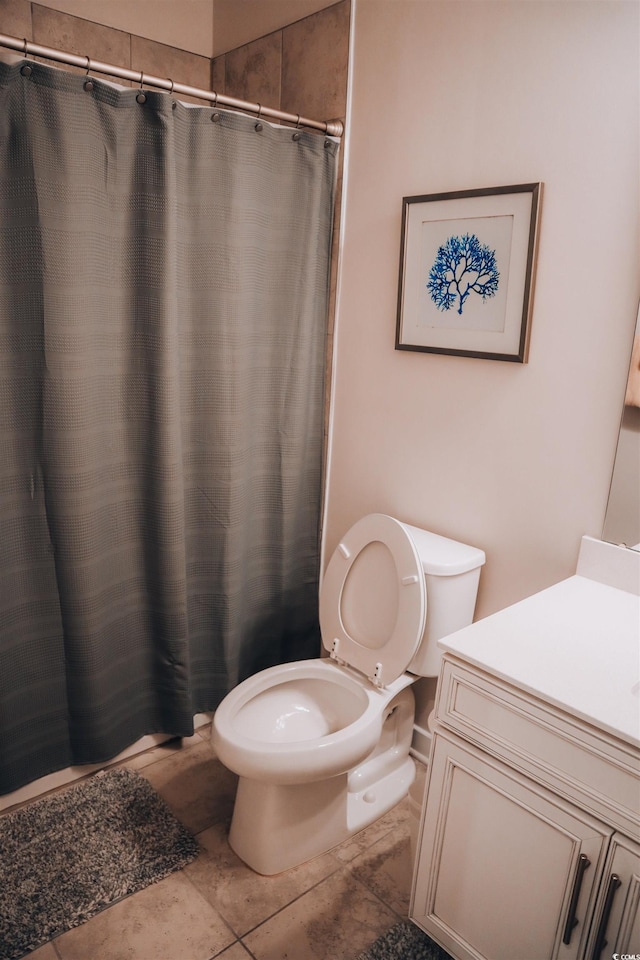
(465, 266)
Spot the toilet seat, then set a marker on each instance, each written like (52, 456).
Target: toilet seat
(373, 601)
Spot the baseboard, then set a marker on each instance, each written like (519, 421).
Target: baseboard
(420, 744)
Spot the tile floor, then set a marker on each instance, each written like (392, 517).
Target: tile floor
(331, 908)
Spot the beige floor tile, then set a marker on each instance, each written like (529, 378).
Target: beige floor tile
(204, 733)
(336, 919)
(165, 921)
(235, 952)
(243, 897)
(197, 787)
(385, 868)
(421, 776)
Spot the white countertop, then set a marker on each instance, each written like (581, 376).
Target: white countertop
(575, 645)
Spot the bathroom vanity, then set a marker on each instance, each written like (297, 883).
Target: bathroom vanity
(529, 846)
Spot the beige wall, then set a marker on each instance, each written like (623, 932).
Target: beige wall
(512, 458)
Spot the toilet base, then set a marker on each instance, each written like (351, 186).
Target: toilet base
(278, 826)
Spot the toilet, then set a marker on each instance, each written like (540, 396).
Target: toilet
(321, 747)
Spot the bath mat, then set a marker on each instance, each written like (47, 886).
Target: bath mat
(66, 857)
(404, 942)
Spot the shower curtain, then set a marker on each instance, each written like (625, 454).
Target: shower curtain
(163, 301)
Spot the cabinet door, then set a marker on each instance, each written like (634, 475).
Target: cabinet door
(617, 915)
(505, 870)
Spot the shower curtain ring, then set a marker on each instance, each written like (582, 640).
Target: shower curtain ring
(296, 135)
(258, 125)
(88, 83)
(25, 69)
(215, 116)
(141, 97)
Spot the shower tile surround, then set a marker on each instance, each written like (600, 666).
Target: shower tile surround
(334, 906)
(301, 68)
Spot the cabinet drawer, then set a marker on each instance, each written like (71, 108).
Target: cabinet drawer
(585, 764)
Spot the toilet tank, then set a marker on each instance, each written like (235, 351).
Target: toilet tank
(452, 574)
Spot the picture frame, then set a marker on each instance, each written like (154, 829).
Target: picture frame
(467, 268)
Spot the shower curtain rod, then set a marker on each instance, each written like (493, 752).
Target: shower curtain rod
(334, 128)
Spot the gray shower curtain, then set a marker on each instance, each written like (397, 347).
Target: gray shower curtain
(163, 302)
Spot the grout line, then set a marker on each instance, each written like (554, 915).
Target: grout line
(401, 916)
(55, 949)
(213, 907)
(292, 901)
(343, 868)
(250, 955)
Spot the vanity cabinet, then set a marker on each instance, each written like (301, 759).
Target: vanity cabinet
(527, 848)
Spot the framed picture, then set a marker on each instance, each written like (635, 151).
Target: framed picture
(467, 264)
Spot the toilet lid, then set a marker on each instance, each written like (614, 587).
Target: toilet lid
(373, 601)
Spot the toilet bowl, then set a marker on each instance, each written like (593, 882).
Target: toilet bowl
(300, 722)
(321, 747)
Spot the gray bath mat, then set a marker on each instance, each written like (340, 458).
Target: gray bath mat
(66, 857)
(404, 942)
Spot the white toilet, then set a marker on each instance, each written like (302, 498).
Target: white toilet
(321, 746)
